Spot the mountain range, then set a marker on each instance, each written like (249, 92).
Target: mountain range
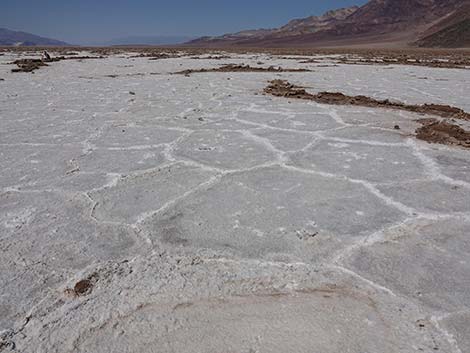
(386, 23)
(15, 38)
(145, 41)
(400, 23)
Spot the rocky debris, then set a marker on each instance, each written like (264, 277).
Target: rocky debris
(281, 88)
(164, 56)
(239, 68)
(6, 340)
(212, 57)
(60, 58)
(309, 61)
(156, 56)
(30, 65)
(444, 59)
(406, 60)
(444, 133)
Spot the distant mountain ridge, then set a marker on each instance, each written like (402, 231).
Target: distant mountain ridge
(17, 38)
(391, 22)
(147, 40)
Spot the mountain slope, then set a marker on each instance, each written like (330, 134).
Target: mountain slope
(454, 36)
(15, 38)
(294, 28)
(388, 22)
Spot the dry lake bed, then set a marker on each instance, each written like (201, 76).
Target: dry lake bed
(147, 208)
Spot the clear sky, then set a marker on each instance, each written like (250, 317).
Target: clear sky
(91, 21)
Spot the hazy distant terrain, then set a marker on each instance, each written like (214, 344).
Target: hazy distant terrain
(15, 38)
(147, 40)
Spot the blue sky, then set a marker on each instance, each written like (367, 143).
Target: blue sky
(91, 21)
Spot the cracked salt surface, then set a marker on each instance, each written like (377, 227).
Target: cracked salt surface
(213, 218)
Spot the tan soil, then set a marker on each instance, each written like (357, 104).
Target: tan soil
(282, 88)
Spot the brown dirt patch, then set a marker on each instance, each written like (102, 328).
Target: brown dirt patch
(444, 133)
(281, 88)
(239, 68)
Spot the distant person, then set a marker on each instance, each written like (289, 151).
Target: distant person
(46, 55)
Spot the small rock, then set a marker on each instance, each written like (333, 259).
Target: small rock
(83, 287)
(397, 127)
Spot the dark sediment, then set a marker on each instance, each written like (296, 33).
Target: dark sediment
(444, 133)
(280, 88)
(432, 131)
(30, 65)
(239, 68)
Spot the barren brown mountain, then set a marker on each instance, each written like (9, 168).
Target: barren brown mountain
(434, 23)
(453, 31)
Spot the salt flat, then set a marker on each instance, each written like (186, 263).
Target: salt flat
(142, 211)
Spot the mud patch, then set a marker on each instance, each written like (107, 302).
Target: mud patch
(281, 88)
(444, 133)
(239, 68)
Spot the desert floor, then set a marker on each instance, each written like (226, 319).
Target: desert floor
(147, 211)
